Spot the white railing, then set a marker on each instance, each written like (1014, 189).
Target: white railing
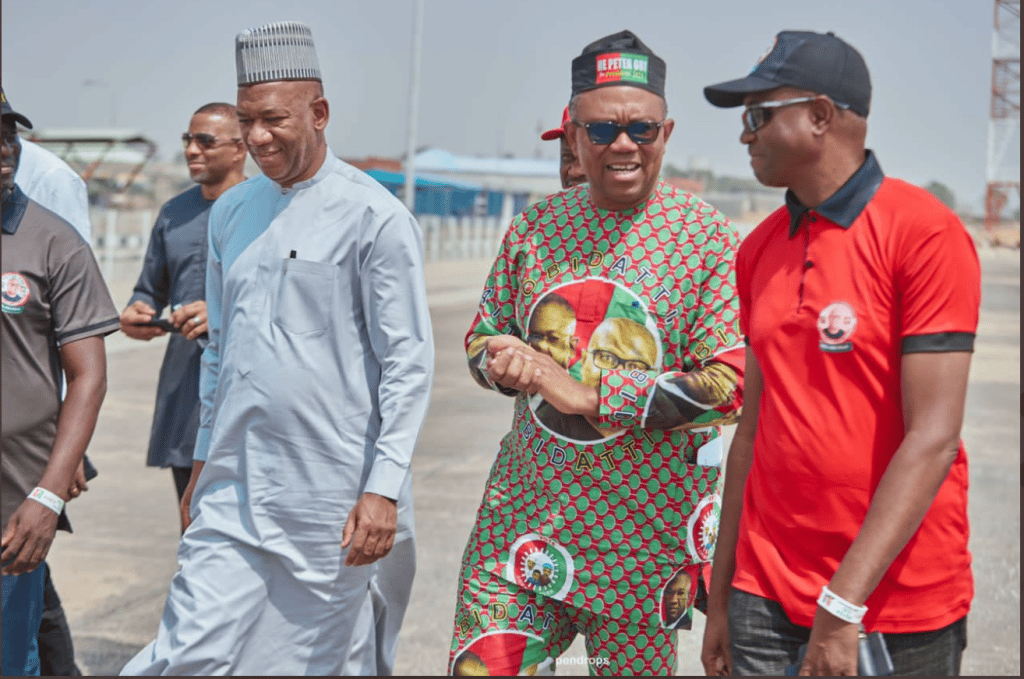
(122, 235)
(447, 238)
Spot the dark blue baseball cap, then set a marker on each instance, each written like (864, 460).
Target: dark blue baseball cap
(819, 62)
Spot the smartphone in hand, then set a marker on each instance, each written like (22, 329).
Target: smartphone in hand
(161, 323)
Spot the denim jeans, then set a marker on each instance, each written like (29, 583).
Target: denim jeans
(21, 612)
(762, 641)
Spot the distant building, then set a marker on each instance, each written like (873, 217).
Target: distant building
(687, 184)
(500, 187)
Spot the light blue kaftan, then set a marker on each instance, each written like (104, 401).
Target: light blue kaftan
(314, 387)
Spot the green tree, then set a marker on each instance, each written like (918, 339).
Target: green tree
(942, 192)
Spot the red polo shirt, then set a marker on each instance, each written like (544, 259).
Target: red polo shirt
(831, 298)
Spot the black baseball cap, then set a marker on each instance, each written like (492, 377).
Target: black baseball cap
(10, 112)
(819, 62)
(618, 59)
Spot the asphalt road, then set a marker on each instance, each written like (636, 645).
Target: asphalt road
(113, 572)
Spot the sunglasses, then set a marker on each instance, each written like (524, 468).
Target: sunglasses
(205, 141)
(602, 134)
(758, 115)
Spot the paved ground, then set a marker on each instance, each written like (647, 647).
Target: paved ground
(113, 572)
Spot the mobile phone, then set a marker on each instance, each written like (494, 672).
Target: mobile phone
(161, 323)
(90, 469)
(873, 659)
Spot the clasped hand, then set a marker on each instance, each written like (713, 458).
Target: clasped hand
(513, 364)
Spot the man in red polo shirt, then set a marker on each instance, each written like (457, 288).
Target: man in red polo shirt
(846, 495)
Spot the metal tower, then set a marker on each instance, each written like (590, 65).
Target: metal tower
(1003, 169)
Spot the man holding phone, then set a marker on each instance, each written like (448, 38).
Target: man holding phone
(174, 274)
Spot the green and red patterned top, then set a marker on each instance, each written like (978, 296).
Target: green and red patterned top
(604, 513)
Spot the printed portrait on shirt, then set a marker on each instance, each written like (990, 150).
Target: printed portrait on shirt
(677, 598)
(15, 292)
(588, 327)
(505, 654)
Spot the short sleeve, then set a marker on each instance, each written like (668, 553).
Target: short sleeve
(81, 304)
(939, 281)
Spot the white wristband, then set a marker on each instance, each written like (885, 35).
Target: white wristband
(840, 607)
(47, 499)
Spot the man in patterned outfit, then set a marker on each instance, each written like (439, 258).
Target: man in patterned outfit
(588, 515)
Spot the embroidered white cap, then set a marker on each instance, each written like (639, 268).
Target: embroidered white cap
(278, 51)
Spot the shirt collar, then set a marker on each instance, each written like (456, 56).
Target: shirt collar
(14, 210)
(330, 162)
(657, 192)
(845, 205)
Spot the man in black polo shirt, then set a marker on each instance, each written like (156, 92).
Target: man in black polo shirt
(56, 310)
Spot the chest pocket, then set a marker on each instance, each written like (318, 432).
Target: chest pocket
(305, 296)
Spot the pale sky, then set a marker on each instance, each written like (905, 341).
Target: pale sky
(493, 74)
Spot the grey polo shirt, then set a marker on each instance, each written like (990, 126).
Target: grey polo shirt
(52, 294)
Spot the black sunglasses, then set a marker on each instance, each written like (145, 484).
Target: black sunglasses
(602, 134)
(205, 141)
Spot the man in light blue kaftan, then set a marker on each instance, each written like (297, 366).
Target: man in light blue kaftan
(314, 387)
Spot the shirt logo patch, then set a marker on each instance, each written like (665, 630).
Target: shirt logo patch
(702, 528)
(836, 325)
(15, 292)
(621, 67)
(540, 564)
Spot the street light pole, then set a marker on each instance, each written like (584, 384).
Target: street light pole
(414, 94)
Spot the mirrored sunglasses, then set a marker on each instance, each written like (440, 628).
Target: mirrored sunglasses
(758, 115)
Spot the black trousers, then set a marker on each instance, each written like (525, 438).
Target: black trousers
(182, 475)
(56, 651)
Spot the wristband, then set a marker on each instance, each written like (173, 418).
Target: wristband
(47, 499)
(840, 607)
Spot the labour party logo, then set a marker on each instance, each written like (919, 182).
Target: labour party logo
(836, 324)
(702, 528)
(15, 292)
(540, 564)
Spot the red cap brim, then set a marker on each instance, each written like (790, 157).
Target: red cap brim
(558, 132)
